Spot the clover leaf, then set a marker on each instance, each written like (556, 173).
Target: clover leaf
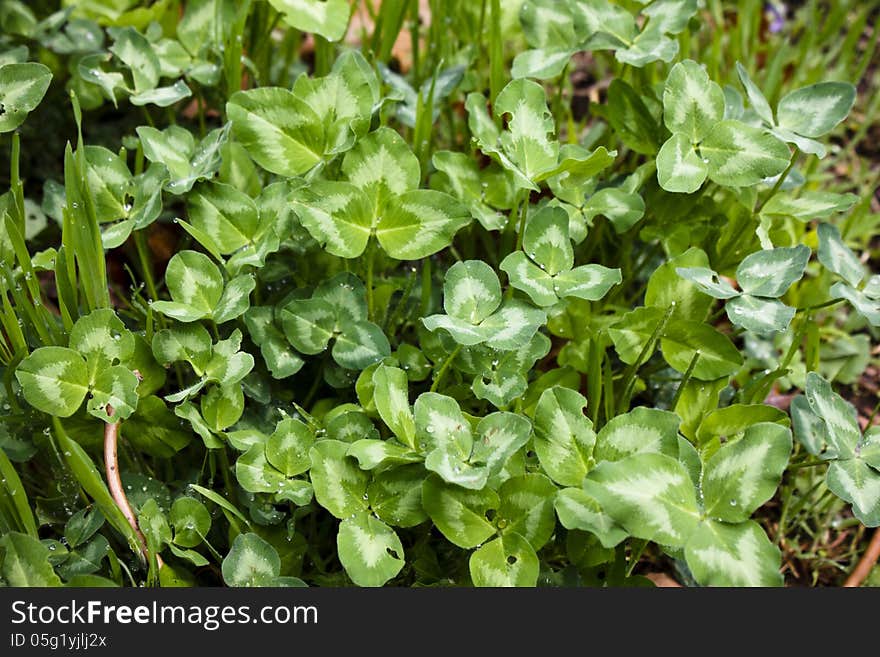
(854, 468)
(705, 144)
(475, 313)
(198, 292)
(763, 276)
(379, 199)
(653, 496)
(545, 271)
(336, 311)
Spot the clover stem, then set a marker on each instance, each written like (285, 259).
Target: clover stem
(114, 483)
(146, 265)
(444, 367)
(780, 180)
(818, 306)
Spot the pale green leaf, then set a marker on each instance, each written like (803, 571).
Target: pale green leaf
(512, 326)
(337, 214)
(280, 131)
(471, 291)
(114, 394)
(590, 282)
(360, 345)
(133, 50)
(546, 240)
(369, 550)
(692, 103)
(308, 324)
(650, 495)
(340, 485)
(577, 509)
(527, 508)
(26, 561)
(718, 355)
(623, 209)
(22, 87)
(869, 308)
(745, 473)
(509, 560)
(328, 18)
(530, 127)
(739, 155)
(191, 521)
(392, 402)
(372, 453)
(54, 380)
(756, 98)
(840, 417)
(382, 166)
(525, 275)
(419, 223)
(251, 562)
(194, 281)
(162, 96)
(759, 315)
(396, 496)
(719, 554)
(183, 342)
(235, 299)
(809, 204)
(227, 215)
(458, 513)
(679, 168)
(641, 431)
(856, 482)
(837, 257)
(102, 339)
(770, 272)
(708, 281)
(564, 436)
(815, 110)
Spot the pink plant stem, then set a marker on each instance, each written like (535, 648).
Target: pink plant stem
(111, 465)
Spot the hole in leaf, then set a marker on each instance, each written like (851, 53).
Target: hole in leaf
(511, 560)
(392, 553)
(490, 515)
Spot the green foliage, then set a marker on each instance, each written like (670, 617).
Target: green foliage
(517, 304)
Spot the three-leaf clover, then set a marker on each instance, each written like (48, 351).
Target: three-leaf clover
(706, 144)
(337, 310)
(545, 269)
(292, 131)
(380, 199)
(763, 277)
(830, 422)
(475, 313)
(527, 148)
(198, 292)
(56, 380)
(705, 513)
